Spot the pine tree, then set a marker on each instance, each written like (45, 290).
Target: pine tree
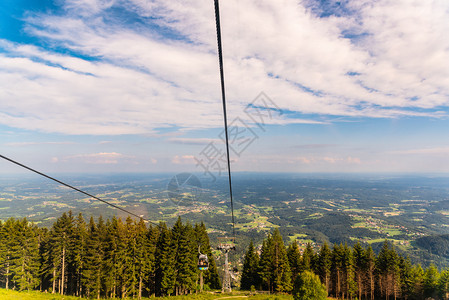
(324, 265)
(405, 268)
(60, 235)
(281, 269)
(129, 274)
(78, 249)
(150, 280)
(142, 259)
(185, 258)
(110, 262)
(265, 264)
(337, 269)
(250, 276)
(350, 286)
(430, 282)
(388, 270)
(294, 258)
(165, 262)
(93, 261)
(443, 284)
(369, 266)
(308, 258)
(415, 283)
(359, 267)
(7, 240)
(25, 255)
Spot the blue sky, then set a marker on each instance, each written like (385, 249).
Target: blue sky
(132, 85)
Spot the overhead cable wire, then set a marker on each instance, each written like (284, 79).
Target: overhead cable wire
(77, 189)
(223, 97)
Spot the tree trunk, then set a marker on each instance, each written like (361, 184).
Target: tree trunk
(359, 282)
(140, 287)
(338, 284)
(7, 275)
(63, 269)
(54, 281)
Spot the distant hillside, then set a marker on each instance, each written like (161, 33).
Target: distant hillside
(435, 244)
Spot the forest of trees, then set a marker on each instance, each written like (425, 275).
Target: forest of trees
(104, 259)
(345, 272)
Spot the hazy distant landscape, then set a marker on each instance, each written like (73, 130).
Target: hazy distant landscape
(410, 211)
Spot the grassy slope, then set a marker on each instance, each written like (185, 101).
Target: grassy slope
(33, 295)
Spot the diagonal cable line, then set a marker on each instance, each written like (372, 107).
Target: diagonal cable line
(223, 97)
(76, 189)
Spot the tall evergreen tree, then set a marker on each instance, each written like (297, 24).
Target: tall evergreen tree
(250, 276)
(337, 269)
(8, 232)
(443, 284)
(185, 258)
(78, 250)
(370, 266)
(415, 283)
(92, 272)
(359, 267)
(308, 257)
(265, 264)
(274, 266)
(324, 265)
(24, 255)
(294, 258)
(165, 262)
(349, 286)
(430, 281)
(150, 279)
(388, 271)
(60, 235)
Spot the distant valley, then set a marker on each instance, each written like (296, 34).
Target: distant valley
(410, 211)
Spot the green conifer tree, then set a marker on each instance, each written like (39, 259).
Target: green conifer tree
(78, 247)
(294, 258)
(443, 284)
(281, 279)
(430, 281)
(369, 266)
(185, 258)
(359, 268)
(250, 276)
(324, 265)
(337, 269)
(308, 257)
(92, 272)
(165, 262)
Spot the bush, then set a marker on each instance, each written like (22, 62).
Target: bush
(308, 287)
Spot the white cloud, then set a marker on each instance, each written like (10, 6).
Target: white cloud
(424, 151)
(183, 160)
(95, 158)
(141, 80)
(194, 141)
(25, 144)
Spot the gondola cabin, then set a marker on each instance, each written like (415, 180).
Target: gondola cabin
(203, 262)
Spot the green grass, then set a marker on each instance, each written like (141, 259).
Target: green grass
(35, 295)
(32, 295)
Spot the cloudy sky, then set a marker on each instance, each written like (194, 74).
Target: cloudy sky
(312, 86)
